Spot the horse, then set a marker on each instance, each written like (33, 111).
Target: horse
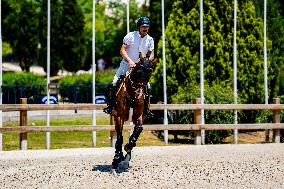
(131, 92)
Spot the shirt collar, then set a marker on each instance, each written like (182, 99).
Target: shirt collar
(140, 35)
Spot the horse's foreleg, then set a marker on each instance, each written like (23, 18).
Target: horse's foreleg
(118, 157)
(118, 144)
(138, 128)
(134, 137)
(131, 144)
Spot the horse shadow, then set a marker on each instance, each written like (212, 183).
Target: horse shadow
(108, 169)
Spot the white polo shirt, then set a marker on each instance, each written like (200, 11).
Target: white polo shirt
(137, 44)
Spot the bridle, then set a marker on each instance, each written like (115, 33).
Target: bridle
(138, 88)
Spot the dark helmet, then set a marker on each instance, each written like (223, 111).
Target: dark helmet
(143, 21)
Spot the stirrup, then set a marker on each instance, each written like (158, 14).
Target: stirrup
(107, 110)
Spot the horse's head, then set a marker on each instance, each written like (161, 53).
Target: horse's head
(144, 69)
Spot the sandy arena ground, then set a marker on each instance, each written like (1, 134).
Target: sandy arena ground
(209, 166)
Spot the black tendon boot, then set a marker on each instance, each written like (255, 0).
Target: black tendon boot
(110, 100)
(147, 112)
(132, 143)
(118, 157)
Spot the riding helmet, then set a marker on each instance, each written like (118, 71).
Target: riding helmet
(143, 21)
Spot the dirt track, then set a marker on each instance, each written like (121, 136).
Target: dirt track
(209, 166)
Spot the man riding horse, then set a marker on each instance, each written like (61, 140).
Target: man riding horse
(134, 44)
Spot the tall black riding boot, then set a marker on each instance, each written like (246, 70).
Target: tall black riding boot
(110, 99)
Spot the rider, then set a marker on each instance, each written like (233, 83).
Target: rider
(134, 43)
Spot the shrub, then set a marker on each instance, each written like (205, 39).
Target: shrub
(216, 94)
(282, 118)
(23, 85)
(22, 79)
(78, 89)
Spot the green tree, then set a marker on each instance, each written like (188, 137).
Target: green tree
(215, 94)
(116, 26)
(7, 50)
(72, 50)
(155, 15)
(119, 11)
(56, 62)
(110, 28)
(182, 49)
(67, 38)
(109, 31)
(20, 30)
(275, 30)
(281, 82)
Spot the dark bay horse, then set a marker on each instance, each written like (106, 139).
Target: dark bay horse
(131, 92)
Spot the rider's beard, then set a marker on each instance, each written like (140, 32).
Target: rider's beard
(143, 33)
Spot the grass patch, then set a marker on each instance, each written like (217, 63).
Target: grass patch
(60, 140)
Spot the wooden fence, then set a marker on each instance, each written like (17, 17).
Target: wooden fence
(23, 129)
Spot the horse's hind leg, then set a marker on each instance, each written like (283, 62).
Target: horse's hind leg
(118, 157)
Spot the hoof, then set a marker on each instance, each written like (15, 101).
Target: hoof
(127, 157)
(114, 165)
(125, 162)
(117, 160)
(113, 171)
